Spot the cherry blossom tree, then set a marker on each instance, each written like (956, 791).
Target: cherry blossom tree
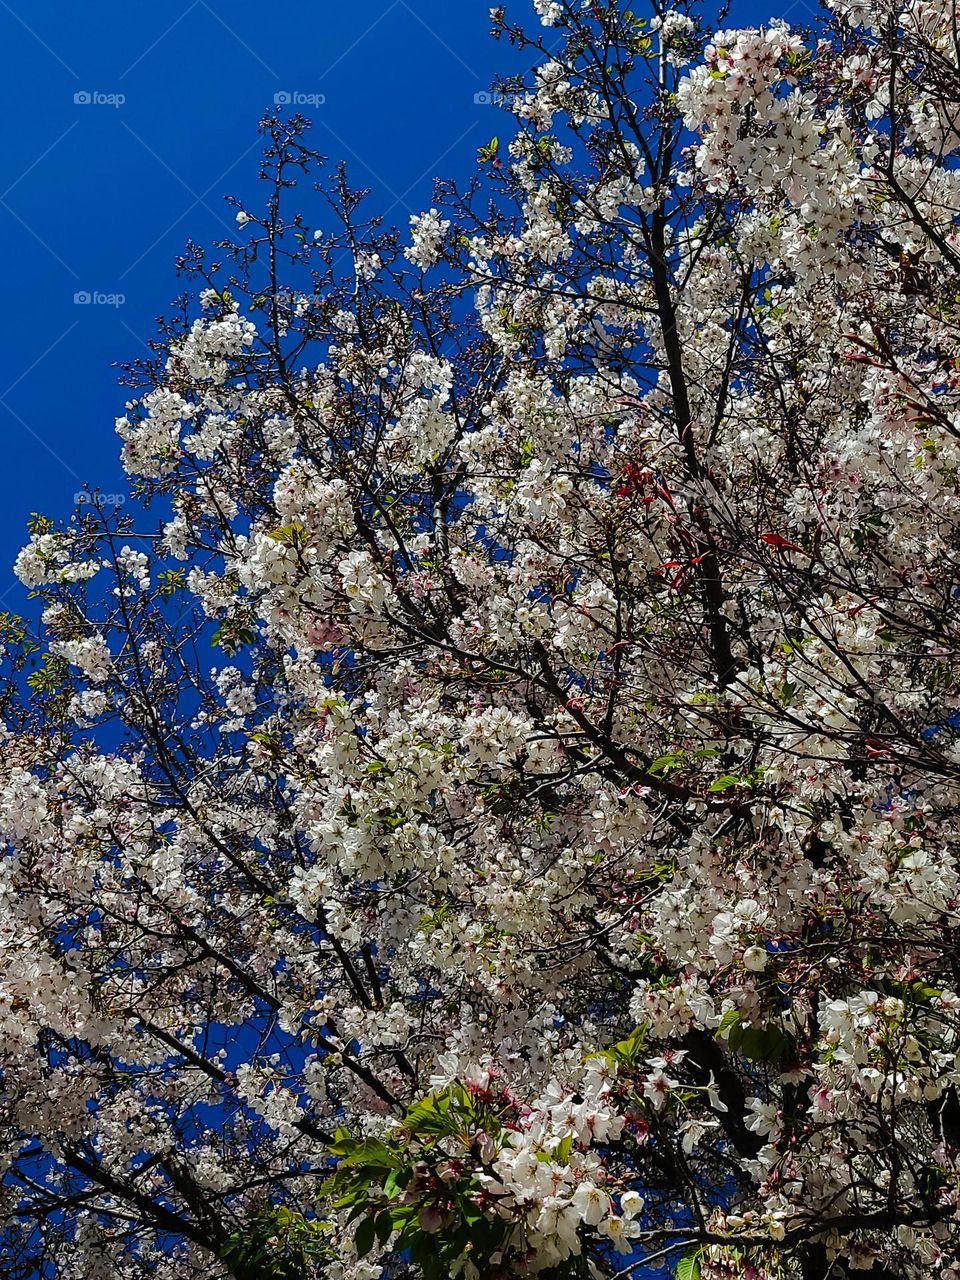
(505, 819)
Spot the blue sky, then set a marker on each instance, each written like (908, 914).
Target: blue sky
(99, 198)
(98, 194)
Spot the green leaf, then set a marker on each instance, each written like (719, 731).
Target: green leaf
(291, 535)
(729, 1019)
(725, 783)
(364, 1236)
(629, 1050)
(665, 762)
(395, 1182)
(688, 1268)
(371, 1153)
(564, 1148)
(759, 1044)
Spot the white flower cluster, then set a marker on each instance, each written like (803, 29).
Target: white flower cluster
(428, 232)
(209, 348)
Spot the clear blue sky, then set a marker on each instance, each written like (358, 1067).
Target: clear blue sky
(99, 198)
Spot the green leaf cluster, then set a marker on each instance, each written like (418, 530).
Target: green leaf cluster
(277, 1244)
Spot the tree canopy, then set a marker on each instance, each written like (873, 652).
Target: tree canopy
(494, 808)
